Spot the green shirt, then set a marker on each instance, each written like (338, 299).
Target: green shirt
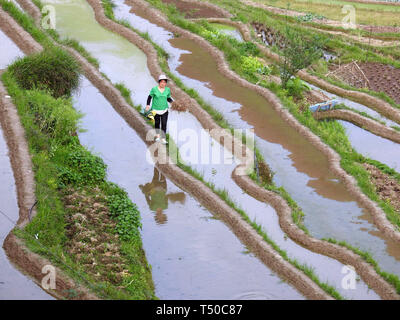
(160, 99)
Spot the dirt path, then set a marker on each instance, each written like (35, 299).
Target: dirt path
(284, 211)
(243, 231)
(362, 122)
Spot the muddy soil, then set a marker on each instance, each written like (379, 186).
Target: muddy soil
(383, 78)
(326, 247)
(386, 186)
(194, 10)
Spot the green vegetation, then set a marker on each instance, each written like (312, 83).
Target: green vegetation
(346, 50)
(331, 132)
(61, 166)
(299, 52)
(296, 87)
(52, 69)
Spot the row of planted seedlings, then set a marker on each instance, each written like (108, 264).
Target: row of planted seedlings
(330, 132)
(309, 271)
(84, 224)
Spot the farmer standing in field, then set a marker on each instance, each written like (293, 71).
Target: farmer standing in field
(160, 95)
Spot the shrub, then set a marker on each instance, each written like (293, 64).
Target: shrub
(299, 52)
(53, 70)
(296, 87)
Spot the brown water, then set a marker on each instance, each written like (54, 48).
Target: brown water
(299, 167)
(255, 111)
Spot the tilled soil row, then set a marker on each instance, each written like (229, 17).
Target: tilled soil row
(275, 38)
(360, 121)
(334, 159)
(17, 251)
(381, 78)
(387, 187)
(328, 22)
(193, 186)
(366, 271)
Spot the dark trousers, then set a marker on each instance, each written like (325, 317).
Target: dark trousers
(163, 118)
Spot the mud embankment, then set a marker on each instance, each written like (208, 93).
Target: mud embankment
(334, 159)
(241, 229)
(360, 121)
(345, 256)
(202, 193)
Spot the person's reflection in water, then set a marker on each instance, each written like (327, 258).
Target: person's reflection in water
(157, 197)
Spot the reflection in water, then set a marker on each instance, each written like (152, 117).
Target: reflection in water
(157, 197)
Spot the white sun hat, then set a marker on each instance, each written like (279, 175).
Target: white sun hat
(162, 77)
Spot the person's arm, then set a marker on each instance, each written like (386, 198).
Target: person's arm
(169, 99)
(148, 102)
(151, 95)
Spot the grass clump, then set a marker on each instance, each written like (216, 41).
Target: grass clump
(53, 69)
